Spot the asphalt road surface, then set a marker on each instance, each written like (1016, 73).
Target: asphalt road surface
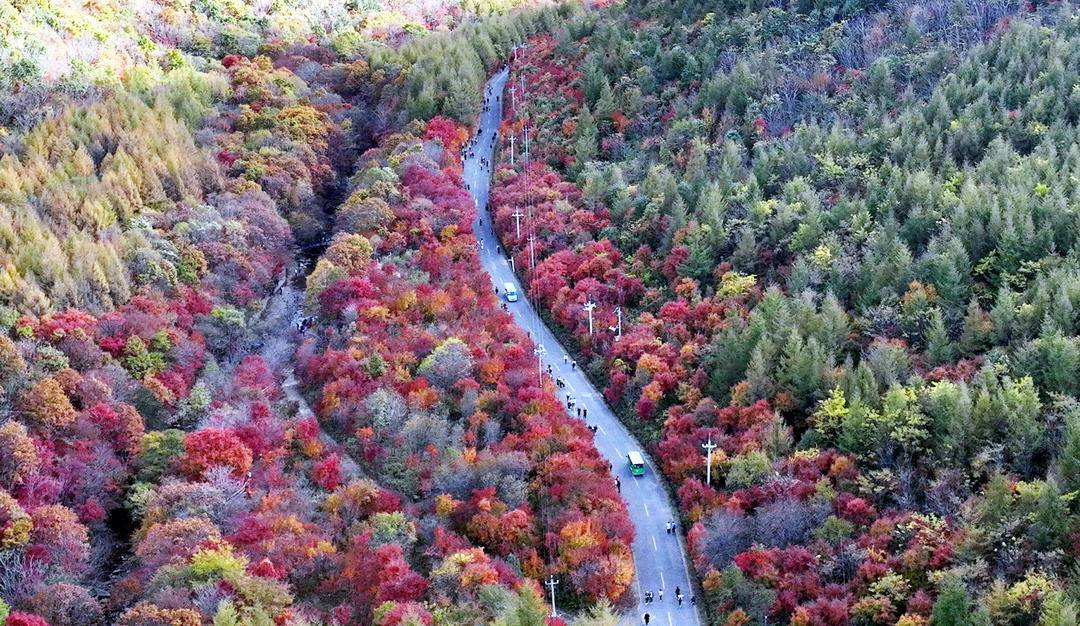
(659, 557)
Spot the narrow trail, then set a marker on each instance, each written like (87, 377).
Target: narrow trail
(659, 556)
(275, 328)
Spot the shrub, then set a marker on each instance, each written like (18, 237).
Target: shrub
(48, 405)
(213, 447)
(64, 604)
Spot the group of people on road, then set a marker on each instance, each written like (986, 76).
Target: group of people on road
(659, 597)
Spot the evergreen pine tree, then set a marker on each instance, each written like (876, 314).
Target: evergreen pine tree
(586, 137)
(939, 348)
(954, 606)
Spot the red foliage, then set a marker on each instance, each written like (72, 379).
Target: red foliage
(204, 449)
(24, 619)
(327, 473)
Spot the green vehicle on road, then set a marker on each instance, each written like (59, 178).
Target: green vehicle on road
(637, 464)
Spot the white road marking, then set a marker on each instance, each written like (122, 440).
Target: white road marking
(669, 619)
(646, 505)
(655, 549)
(602, 430)
(662, 583)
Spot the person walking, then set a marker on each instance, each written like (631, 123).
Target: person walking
(618, 485)
(678, 592)
(646, 619)
(585, 413)
(678, 597)
(693, 600)
(660, 594)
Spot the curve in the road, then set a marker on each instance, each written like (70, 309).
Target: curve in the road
(659, 556)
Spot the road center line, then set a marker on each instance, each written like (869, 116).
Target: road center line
(655, 549)
(646, 505)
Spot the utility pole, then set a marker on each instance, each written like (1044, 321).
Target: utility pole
(513, 101)
(517, 215)
(618, 324)
(532, 252)
(589, 306)
(709, 447)
(552, 583)
(528, 188)
(526, 131)
(512, 138)
(540, 351)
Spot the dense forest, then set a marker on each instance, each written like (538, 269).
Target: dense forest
(166, 170)
(842, 240)
(834, 242)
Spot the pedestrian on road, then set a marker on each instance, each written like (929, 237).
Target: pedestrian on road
(679, 598)
(585, 413)
(693, 600)
(660, 594)
(678, 592)
(618, 484)
(573, 365)
(565, 359)
(646, 618)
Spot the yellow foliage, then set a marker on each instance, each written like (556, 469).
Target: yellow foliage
(445, 505)
(217, 562)
(16, 531)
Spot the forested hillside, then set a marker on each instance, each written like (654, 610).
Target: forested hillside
(167, 168)
(252, 370)
(843, 242)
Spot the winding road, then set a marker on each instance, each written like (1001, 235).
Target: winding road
(659, 556)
